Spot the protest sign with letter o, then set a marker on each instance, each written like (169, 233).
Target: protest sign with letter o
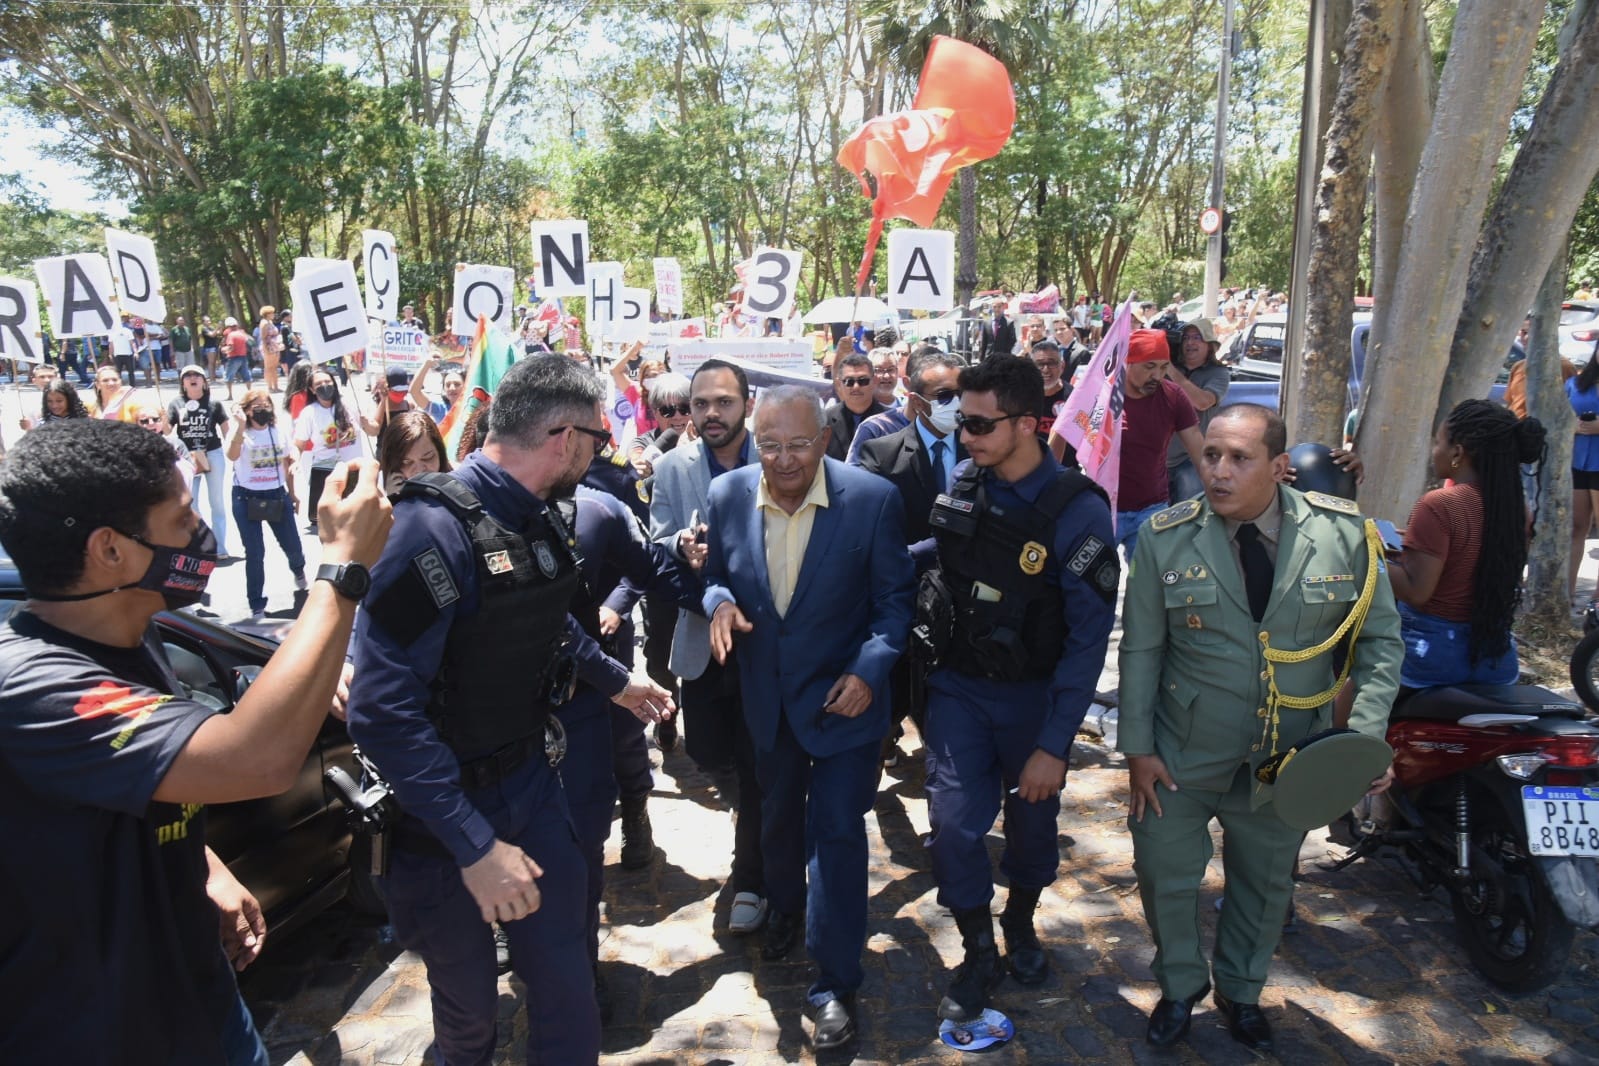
(668, 286)
(19, 321)
(382, 272)
(328, 311)
(773, 278)
(136, 273)
(921, 269)
(78, 293)
(560, 255)
(488, 291)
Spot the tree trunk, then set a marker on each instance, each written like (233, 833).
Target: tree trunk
(1549, 559)
(966, 274)
(1315, 410)
(1402, 123)
(1404, 370)
(1537, 203)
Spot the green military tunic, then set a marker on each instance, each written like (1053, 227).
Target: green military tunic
(1194, 691)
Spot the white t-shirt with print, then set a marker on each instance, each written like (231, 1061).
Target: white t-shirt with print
(317, 427)
(260, 464)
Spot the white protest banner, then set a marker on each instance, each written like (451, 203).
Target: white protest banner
(602, 295)
(136, 273)
(78, 293)
(668, 286)
(19, 321)
(484, 290)
(391, 346)
(686, 328)
(773, 278)
(790, 357)
(328, 313)
(382, 270)
(561, 252)
(632, 321)
(921, 269)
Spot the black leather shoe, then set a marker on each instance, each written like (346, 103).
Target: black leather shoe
(835, 1024)
(782, 933)
(1246, 1022)
(1168, 1022)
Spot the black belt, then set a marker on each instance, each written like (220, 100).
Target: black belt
(496, 766)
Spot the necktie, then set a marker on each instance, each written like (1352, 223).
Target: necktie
(1258, 571)
(939, 479)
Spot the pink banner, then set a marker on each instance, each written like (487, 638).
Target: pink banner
(1092, 421)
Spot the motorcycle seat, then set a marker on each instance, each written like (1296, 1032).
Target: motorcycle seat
(1450, 703)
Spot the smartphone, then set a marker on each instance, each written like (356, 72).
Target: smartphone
(1390, 536)
(351, 479)
(694, 524)
(1587, 416)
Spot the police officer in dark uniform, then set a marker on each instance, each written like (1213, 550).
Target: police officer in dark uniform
(464, 649)
(1018, 616)
(618, 563)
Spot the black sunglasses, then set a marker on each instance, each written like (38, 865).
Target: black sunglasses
(942, 396)
(667, 410)
(855, 383)
(978, 426)
(599, 436)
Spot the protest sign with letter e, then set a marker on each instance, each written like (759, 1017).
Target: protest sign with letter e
(483, 291)
(329, 313)
(380, 254)
(560, 255)
(20, 331)
(668, 286)
(136, 273)
(773, 277)
(78, 294)
(921, 269)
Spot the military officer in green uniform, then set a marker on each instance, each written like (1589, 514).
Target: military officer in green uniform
(1235, 602)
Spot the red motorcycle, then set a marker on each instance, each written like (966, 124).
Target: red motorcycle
(1496, 800)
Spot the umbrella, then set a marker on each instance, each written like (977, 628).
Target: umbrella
(849, 309)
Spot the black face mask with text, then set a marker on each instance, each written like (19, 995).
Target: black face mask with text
(179, 574)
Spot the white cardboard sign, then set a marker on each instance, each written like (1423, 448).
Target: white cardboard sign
(137, 274)
(602, 297)
(773, 278)
(668, 286)
(484, 290)
(382, 269)
(632, 321)
(20, 332)
(772, 353)
(78, 293)
(921, 269)
(396, 346)
(560, 256)
(328, 311)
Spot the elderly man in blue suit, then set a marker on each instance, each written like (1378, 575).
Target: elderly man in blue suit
(806, 569)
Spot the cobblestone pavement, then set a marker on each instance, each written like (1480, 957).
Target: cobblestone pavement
(1372, 974)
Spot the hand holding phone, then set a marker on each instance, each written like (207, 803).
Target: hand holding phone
(1391, 540)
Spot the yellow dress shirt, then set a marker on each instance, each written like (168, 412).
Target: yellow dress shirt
(786, 537)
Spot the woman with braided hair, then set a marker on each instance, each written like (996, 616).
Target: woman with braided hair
(1458, 580)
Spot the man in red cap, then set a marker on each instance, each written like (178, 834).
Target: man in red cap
(1155, 410)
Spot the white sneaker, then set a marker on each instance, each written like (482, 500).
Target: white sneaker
(300, 584)
(748, 913)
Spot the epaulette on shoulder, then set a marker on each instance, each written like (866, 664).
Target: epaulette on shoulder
(1332, 503)
(617, 458)
(1175, 515)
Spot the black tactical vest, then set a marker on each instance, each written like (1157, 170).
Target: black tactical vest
(505, 666)
(1003, 577)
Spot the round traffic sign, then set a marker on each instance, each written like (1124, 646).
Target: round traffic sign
(1209, 221)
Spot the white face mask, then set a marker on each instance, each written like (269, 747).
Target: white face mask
(941, 416)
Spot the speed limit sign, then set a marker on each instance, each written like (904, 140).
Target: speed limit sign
(1210, 221)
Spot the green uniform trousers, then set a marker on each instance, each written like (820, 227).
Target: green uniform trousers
(1169, 856)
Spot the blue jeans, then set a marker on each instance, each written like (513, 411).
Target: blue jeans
(1436, 654)
(216, 492)
(1127, 523)
(238, 369)
(241, 1044)
(255, 542)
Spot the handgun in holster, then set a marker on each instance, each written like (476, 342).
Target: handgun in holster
(372, 811)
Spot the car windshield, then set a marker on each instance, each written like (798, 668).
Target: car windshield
(1575, 314)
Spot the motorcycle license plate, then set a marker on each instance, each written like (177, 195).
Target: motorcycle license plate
(1561, 819)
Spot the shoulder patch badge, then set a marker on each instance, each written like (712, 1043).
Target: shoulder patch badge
(545, 558)
(497, 562)
(436, 576)
(1175, 515)
(1331, 503)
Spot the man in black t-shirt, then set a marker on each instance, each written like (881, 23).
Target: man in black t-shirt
(109, 947)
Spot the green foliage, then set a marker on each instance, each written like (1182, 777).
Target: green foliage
(31, 229)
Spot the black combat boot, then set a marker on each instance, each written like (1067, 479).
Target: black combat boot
(638, 840)
(1028, 963)
(978, 973)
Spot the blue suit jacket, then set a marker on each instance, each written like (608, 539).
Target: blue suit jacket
(850, 613)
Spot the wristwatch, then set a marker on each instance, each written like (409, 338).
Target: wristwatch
(351, 580)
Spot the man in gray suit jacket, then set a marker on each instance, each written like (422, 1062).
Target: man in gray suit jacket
(714, 734)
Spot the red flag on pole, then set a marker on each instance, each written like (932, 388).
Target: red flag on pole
(963, 113)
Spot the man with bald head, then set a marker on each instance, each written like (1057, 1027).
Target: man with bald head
(807, 574)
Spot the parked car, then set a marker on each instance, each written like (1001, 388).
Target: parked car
(295, 851)
(1579, 330)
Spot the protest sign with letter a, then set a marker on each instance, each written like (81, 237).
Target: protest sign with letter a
(78, 293)
(921, 269)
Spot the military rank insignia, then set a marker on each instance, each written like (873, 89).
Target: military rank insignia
(1032, 558)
